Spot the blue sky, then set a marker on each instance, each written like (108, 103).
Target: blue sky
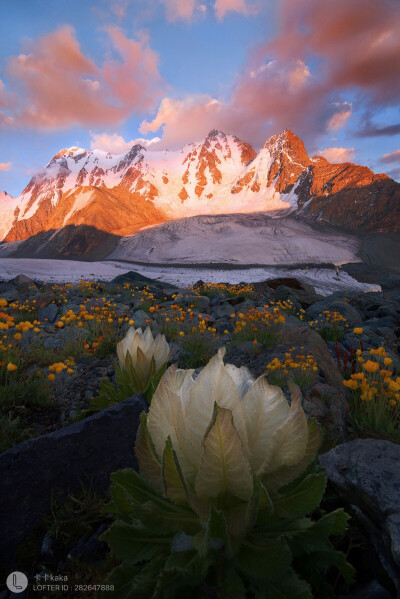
(108, 73)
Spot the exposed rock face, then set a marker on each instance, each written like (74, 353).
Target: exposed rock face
(87, 452)
(220, 175)
(118, 211)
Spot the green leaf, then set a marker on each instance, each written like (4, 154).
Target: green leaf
(301, 500)
(153, 509)
(316, 537)
(190, 564)
(174, 485)
(122, 578)
(265, 513)
(149, 464)
(290, 586)
(133, 544)
(122, 505)
(264, 558)
(216, 534)
(313, 566)
(223, 469)
(232, 586)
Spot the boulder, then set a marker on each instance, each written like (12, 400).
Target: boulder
(351, 314)
(303, 335)
(136, 279)
(328, 406)
(365, 472)
(24, 284)
(139, 317)
(85, 452)
(48, 313)
(305, 297)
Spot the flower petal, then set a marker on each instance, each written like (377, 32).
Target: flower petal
(223, 467)
(167, 418)
(213, 386)
(265, 408)
(290, 439)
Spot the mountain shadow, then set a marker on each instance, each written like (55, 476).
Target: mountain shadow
(72, 242)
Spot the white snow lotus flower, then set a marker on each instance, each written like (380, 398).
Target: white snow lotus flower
(145, 355)
(222, 429)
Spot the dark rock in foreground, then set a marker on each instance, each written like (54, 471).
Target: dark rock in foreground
(87, 451)
(366, 474)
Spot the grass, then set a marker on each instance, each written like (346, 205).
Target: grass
(264, 335)
(12, 432)
(76, 516)
(23, 401)
(198, 351)
(25, 315)
(334, 333)
(375, 419)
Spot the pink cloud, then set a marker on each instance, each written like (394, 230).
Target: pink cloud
(338, 155)
(60, 86)
(391, 157)
(357, 41)
(116, 144)
(180, 10)
(190, 119)
(299, 79)
(244, 7)
(5, 166)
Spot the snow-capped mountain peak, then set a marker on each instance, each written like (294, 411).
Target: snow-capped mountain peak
(218, 175)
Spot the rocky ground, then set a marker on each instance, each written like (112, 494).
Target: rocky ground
(58, 346)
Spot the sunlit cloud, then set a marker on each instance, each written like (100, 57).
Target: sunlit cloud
(391, 157)
(244, 7)
(116, 144)
(338, 155)
(60, 86)
(5, 166)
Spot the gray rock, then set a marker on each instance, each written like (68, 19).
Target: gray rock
(303, 335)
(24, 284)
(136, 279)
(72, 334)
(328, 406)
(70, 306)
(303, 298)
(87, 451)
(140, 317)
(366, 473)
(49, 313)
(10, 295)
(53, 342)
(372, 590)
(221, 311)
(351, 314)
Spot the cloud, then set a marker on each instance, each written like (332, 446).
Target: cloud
(370, 130)
(190, 119)
(5, 166)
(59, 86)
(116, 144)
(183, 10)
(244, 7)
(299, 79)
(338, 155)
(395, 174)
(357, 43)
(339, 119)
(391, 157)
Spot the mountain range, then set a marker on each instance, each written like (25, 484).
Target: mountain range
(85, 200)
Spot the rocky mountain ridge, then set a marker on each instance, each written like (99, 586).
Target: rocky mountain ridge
(121, 194)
